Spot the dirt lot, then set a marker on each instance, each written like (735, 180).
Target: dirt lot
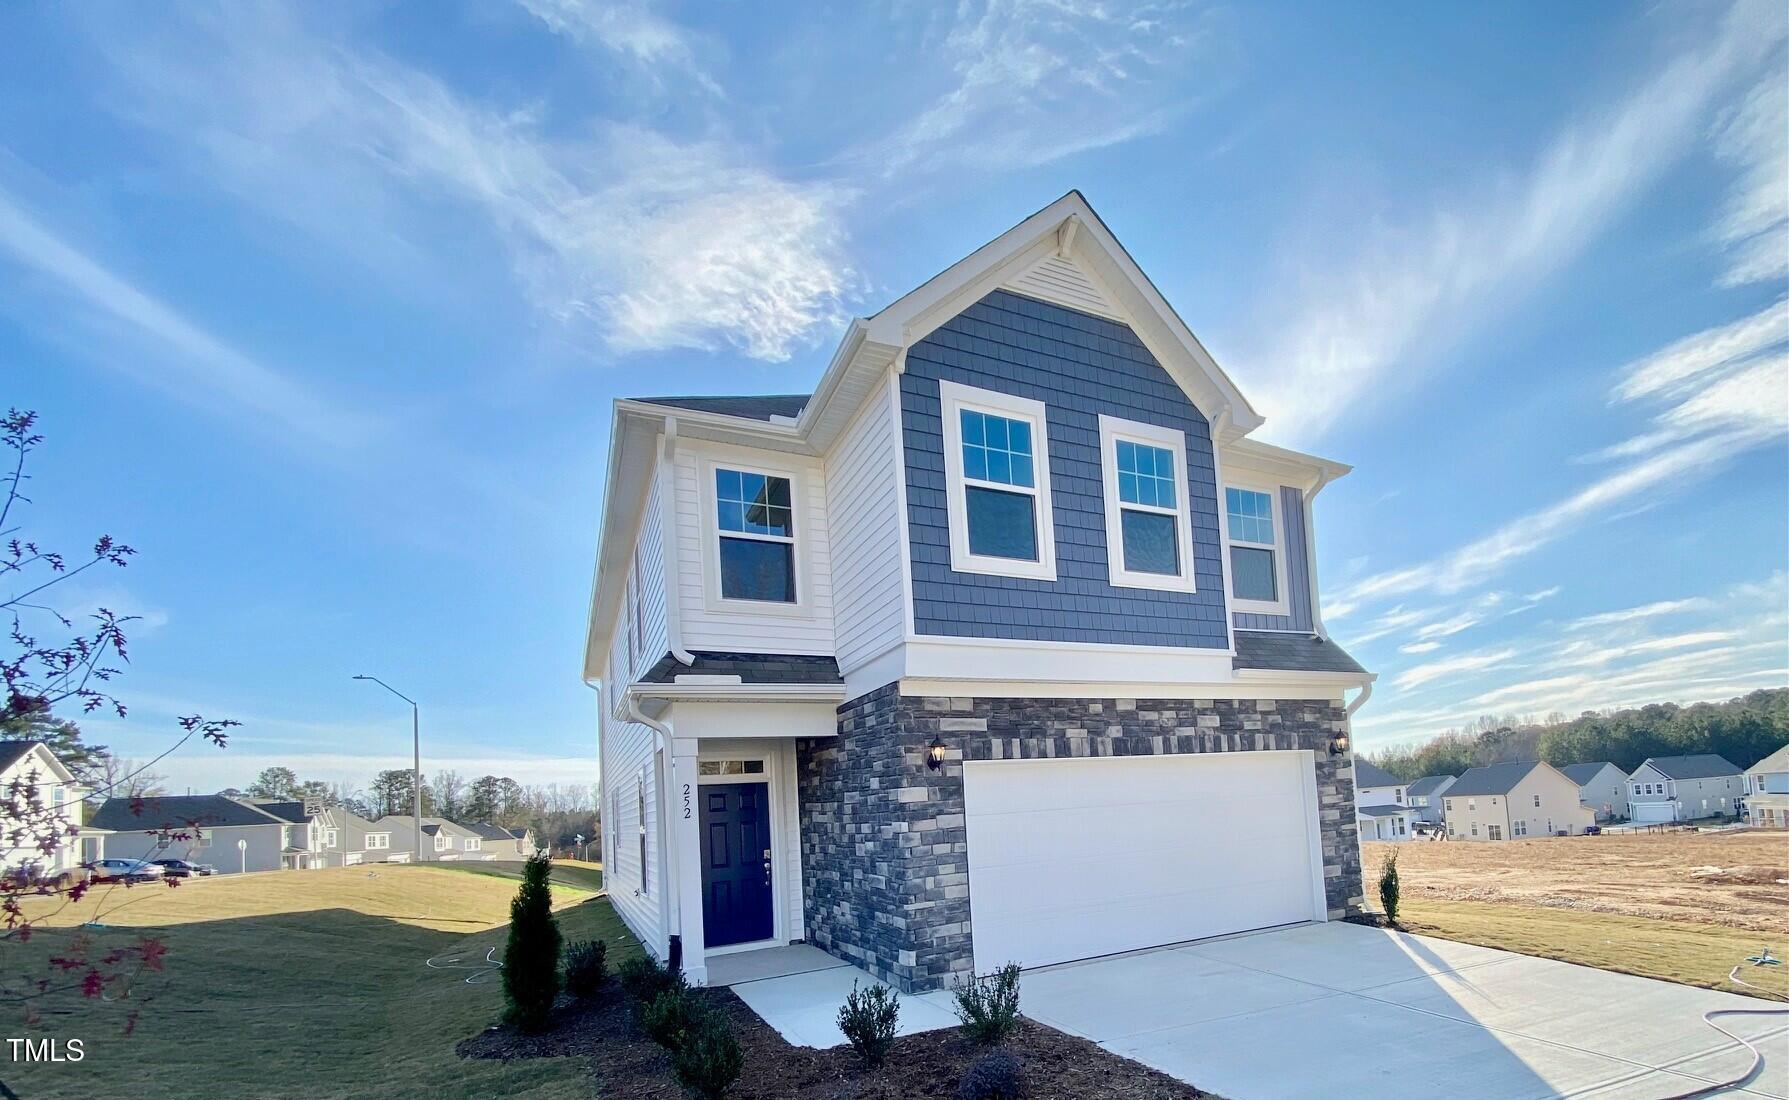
(1737, 880)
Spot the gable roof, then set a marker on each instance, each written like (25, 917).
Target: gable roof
(1776, 762)
(178, 812)
(286, 809)
(1584, 773)
(11, 752)
(1369, 774)
(1493, 778)
(1381, 811)
(1428, 783)
(488, 831)
(751, 668)
(1066, 232)
(1705, 765)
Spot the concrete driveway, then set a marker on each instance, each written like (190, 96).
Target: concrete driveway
(1332, 1010)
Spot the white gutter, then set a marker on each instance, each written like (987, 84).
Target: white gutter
(1366, 692)
(670, 912)
(709, 692)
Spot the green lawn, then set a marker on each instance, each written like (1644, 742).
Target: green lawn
(305, 984)
(570, 872)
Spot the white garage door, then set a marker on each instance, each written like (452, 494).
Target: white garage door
(1072, 859)
(1651, 813)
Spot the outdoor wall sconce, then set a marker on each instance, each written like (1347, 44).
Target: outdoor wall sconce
(935, 754)
(1338, 744)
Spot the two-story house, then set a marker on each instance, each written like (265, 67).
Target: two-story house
(1601, 786)
(42, 789)
(1767, 791)
(1684, 788)
(1425, 797)
(1512, 801)
(1381, 810)
(1002, 644)
(233, 835)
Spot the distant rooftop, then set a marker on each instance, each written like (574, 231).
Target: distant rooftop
(1705, 765)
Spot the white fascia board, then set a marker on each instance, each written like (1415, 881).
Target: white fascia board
(967, 660)
(1307, 472)
(1114, 689)
(738, 692)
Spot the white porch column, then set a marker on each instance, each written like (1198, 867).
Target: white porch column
(685, 835)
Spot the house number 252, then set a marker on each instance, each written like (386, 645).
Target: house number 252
(686, 801)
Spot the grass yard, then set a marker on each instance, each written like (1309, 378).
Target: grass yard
(305, 984)
(1684, 907)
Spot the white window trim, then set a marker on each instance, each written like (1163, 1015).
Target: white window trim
(803, 607)
(1283, 605)
(1112, 429)
(953, 397)
(471, 844)
(377, 841)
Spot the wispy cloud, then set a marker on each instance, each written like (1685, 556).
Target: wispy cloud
(1670, 368)
(1644, 611)
(654, 242)
(1033, 81)
(1754, 224)
(1452, 666)
(188, 360)
(1419, 647)
(636, 31)
(1413, 286)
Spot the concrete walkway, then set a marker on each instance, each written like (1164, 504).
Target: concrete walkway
(798, 990)
(1331, 1010)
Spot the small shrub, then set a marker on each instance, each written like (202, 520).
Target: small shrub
(670, 1017)
(996, 1075)
(868, 1019)
(586, 967)
(709, 1060)
(989, 1006)
(1388, 888)
(642, 978)
(531, 957)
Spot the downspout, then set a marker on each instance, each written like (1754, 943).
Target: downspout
(667, 525)
(1366, 692)
(670, 911)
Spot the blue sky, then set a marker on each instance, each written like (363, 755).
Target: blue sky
(324, 309)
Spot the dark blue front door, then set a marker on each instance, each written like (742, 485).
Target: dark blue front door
(735, 863)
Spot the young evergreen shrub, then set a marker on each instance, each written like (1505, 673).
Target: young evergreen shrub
(989, 1006)
(709, 1060)
(996, 1075)
(669, 1017)
(586, 967)
(642, 978)
(868, 1020)
(1388, 887)
(531, 958)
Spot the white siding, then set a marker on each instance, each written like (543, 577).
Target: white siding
(627, 752)
(652, 636)
(863, 503)
(1061, 281)
(746, 631)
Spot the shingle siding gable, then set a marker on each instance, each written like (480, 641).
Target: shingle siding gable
(1079, 366)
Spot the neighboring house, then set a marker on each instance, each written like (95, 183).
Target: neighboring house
(443, 841)
(1767, 791)
(955, 660)
(1380, 808)
(345, 838)
(307, 842)
(502, 843)
(230, 834)
(1601, 786)
(1514, 800)
(1425, 797)
(1684, 788)
(30, 773)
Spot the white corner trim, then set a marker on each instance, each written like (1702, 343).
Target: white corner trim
(1112, 429)
(1282, 605)
(954, 397)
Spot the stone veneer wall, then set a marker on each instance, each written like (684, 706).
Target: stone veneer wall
(884, 848)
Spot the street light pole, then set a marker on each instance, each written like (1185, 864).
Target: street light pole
(415, 764)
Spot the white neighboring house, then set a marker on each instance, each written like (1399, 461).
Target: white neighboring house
(1684, 788)
(1601, 786)
(1512, 801)
(32, 765)
(443, 841)
(1767, 791)
(1425, 797)
(1381, 810)
(231, 835)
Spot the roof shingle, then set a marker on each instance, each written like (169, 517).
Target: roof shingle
(1290, 652)
(761, 407)
(1493, 778)
(751, 668)
(1705, 765)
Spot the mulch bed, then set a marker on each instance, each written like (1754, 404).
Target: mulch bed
(1057, 1066)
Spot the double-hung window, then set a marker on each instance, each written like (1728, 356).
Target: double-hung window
(1256, 530)
(755, 522)
(997, 475)
(1149, 529)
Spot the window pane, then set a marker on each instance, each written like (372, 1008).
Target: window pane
(726, 485)
(1250, 515)
(753, 503)
(1149, 543)
(1018, 437)
(755, 570)
(1145, 475)
(996, 449)
(975, 462)
(972, 428)
(1251, 574)
(1001, 525)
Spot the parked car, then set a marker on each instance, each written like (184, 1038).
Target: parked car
(180, 868)
(125, 870)
(1593, 830)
